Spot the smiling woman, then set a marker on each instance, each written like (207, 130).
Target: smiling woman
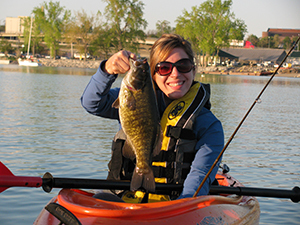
(200, 136)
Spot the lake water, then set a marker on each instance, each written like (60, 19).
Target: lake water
(44, 128)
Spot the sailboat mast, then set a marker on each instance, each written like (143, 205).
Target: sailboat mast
(29, 38)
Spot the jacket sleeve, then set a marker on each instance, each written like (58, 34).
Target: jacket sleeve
(210, 144)
(98, 96)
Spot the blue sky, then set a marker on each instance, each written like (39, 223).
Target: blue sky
(259, 15)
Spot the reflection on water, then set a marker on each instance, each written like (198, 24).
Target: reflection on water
(44, 128)
(46, 70)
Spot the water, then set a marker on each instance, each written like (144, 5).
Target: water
(44, 128)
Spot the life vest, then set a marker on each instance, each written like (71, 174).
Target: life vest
(178, 147)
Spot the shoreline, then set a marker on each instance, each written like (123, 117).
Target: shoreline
(244, 70)
(73, 63)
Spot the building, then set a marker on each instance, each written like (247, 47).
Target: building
(282, 33)
(14, 25)
(255, 55)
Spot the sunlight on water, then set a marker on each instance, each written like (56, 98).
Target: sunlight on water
(44, 128)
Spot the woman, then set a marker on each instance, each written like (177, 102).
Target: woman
(193, 136)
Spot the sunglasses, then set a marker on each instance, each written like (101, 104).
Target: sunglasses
(183, 66)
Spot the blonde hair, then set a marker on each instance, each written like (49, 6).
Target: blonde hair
(164, 45)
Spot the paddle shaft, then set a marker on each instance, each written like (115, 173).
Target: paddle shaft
(8, 179)
(293, 194)
(49, 183)
(242, 121)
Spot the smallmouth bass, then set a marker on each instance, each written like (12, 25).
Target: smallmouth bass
(140, 122)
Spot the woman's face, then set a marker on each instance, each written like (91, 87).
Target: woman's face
(176, 84)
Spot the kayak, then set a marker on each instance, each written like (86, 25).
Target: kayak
(73, 206)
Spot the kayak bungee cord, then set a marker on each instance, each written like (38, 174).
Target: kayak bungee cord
(244, 118)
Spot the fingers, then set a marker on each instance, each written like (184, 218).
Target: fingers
(119, 62)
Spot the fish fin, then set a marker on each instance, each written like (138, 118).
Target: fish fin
(128, 151)
(158, 141)
(116, 103)
(145, 180)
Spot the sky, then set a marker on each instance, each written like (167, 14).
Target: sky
(258, 15)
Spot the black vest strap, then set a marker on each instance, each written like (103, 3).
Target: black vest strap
(178, 132)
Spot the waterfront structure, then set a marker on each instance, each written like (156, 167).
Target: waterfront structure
(281, 32)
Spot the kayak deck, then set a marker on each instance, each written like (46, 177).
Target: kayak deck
(71, 205)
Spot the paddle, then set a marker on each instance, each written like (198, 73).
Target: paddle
(8, 179)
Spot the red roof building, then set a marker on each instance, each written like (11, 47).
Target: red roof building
(281, 32)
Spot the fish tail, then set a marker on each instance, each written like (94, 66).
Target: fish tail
(145, 180)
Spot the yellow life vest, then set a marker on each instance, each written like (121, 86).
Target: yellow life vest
(177, 124)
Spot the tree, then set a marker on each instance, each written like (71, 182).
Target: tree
(210, 26)
(103, 43)
(5, 47)
(163, 27)
(264, 42)
(276, 41)
(83, 29)
(287, 43)
(35, 38)
(51, 19)
(253, 39)
(237, 30)
(125, 20)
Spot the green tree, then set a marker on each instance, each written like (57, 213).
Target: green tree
(237, 30)
(264, 42)
(125, 21)
(35, 38)
(5, 47)
(253, 39)
(287, 43)
(103, 44)
(276, 41)
(51, 19)
(210, 26)
(83, 29)
(163, 27)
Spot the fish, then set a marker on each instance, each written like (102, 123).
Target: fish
(140, 121)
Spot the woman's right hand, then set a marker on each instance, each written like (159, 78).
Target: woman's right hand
(118, 63)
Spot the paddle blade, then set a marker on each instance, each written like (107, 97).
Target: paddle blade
(2, 189)
(8, 179)
(4, 170)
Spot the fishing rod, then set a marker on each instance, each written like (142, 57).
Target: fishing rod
(244, 118)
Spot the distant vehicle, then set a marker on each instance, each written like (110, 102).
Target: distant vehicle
(11, 55)
(234, 63)
(81, 56)
(287, 65)
(268, 63)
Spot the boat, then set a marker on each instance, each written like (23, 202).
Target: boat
(28, 61)
(79, 207)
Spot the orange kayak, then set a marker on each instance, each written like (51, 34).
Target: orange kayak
(74, 207)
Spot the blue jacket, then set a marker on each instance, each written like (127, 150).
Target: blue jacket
(98, 98)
